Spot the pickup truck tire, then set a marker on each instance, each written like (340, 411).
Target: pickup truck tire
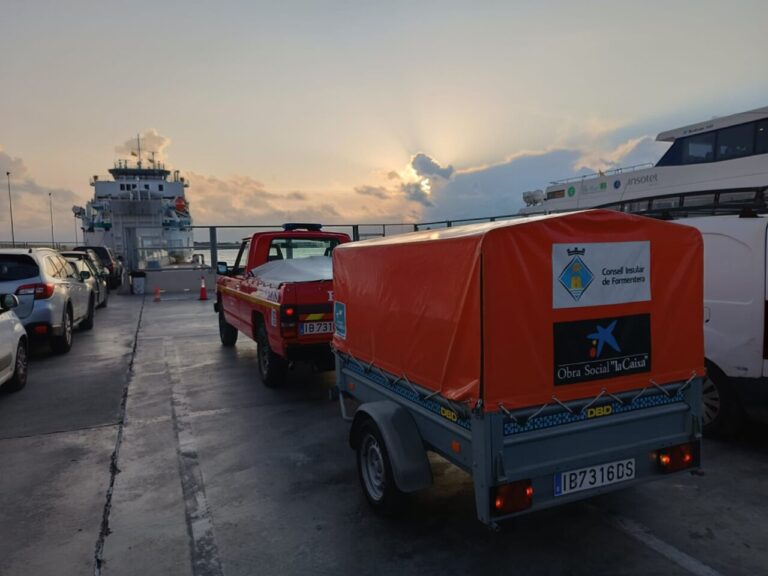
(375, 471)
(272, 367)
(722, 414)
(227, 332)
(62, 344)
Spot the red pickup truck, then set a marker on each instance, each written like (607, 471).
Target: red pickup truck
(280, 294)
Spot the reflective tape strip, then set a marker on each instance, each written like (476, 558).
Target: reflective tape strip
(249, 298)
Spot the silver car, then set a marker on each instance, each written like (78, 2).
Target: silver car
(53, 299)
(96, 283)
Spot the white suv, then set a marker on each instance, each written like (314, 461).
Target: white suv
(13, 346)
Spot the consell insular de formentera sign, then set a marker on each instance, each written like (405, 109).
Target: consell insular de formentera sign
(600, 273)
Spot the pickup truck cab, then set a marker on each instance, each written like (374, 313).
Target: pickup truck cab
(280, 294)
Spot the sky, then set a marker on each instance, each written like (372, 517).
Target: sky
(356, 111)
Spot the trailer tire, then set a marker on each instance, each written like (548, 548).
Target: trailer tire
(272, 367)
(375, 471)
(227, 332)
(722, 415)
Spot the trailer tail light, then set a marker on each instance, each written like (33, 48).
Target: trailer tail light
(40, 329)
(514, 497)
(676, 458)
(40, 291)
(289, 311)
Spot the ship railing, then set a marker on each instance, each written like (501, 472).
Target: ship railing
(600, 173)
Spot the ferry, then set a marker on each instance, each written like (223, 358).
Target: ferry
(714, 166)
(141, 213)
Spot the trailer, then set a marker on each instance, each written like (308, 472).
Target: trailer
(553, 358)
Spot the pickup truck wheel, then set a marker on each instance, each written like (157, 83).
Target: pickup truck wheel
(227, 332)
(375, 472)
(721, 411)
(19, 378)
(272, 367)
(62, 344)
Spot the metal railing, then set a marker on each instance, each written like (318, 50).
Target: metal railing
(609, 172)
(211, 241)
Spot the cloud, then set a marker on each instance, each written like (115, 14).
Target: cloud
(151, 141)
(497, 189)
(32, 205)
(415, 192)
(296, 195)
(423, 165)
(642, 150)
(375, 191)
(392, 175)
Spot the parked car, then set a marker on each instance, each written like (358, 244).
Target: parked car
(97, 287)
(108, 259)
(97, 280)
(13, 346)
(53, 299)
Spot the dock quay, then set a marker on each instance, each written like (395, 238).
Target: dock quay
(151, 449)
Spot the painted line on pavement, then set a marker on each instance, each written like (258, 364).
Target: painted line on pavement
(644, 535)
(203, 547)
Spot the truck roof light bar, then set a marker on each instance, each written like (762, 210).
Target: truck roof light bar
(291, 226)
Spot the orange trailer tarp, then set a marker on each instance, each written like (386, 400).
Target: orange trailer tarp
(515, 313)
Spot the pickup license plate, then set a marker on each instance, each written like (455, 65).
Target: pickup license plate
(594, 476)
(307, 328)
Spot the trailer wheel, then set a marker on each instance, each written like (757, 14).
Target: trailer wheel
(721, 411)
(375, 471)
(272, 367)
(227, 332)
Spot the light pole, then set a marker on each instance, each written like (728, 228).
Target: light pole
(50, 204)
(10, 204)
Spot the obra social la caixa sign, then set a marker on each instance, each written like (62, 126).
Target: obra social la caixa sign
(598, 274)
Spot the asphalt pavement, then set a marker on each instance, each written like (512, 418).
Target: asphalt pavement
(151, 449)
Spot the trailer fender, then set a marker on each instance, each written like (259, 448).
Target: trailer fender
(407, 455)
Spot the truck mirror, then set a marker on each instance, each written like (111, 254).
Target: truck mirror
(222, 268)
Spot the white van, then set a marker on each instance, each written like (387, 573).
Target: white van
(735, 319)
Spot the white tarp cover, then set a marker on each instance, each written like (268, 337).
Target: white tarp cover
(311, 269)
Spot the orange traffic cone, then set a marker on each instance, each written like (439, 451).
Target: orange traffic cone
(157, 295)
(203, 291)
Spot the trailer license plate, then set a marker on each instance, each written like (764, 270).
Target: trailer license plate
(594, 476)
(307, 328)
